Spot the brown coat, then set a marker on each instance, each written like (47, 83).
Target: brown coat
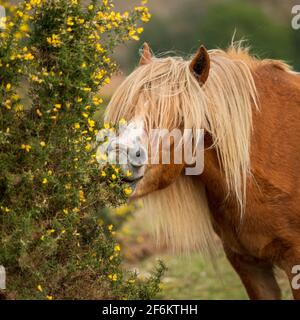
(269, 232)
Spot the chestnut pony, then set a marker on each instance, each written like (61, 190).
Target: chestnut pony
(249, 190)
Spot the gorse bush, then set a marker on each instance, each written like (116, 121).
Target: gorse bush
(57, 240)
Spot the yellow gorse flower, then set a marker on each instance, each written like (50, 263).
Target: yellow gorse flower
(97, 101)
(146, 17)
(81, 196)
(117, 248)
(26, 147)
(88, 147)
(5, 209)
(19, 107)
(19, 13)
(113, 277)
(106, 81)
(28, 56)
(40, 288)
(117, 170)
(99, 48)
(54, 40)
(132, 34)
(91, 123)
(128, 173)
(127, 191)
(24, 27)
(35, 3)
(68, 186)
(70, 21)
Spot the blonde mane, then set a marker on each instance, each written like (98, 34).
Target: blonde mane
(167, 95)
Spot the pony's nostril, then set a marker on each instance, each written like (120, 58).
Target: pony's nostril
(138, 153)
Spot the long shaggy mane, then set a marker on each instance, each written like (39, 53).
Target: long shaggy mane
(167, 95)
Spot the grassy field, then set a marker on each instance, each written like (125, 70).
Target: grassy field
(195, 278)
(188, 277)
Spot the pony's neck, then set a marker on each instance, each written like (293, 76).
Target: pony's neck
(222, 205)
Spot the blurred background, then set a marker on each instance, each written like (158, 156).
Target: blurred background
(181, 26)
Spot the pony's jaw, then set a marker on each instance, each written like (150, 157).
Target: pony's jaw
(156, 177)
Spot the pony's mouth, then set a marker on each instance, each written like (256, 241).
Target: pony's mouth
(133, 183)
(137, 173)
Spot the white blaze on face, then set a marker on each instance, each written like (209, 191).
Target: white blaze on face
(129, 149)
(131, 134)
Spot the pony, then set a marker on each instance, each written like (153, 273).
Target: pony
(249, 191)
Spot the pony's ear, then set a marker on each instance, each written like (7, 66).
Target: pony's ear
(200, 65)
(146, 55)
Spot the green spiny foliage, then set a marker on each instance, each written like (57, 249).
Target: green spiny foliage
(56, 238)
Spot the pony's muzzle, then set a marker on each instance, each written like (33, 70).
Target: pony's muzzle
(137, 156)
(136, 161)
(131, 159)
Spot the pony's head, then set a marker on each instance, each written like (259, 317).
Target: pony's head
(156, 100)
(212, 91)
